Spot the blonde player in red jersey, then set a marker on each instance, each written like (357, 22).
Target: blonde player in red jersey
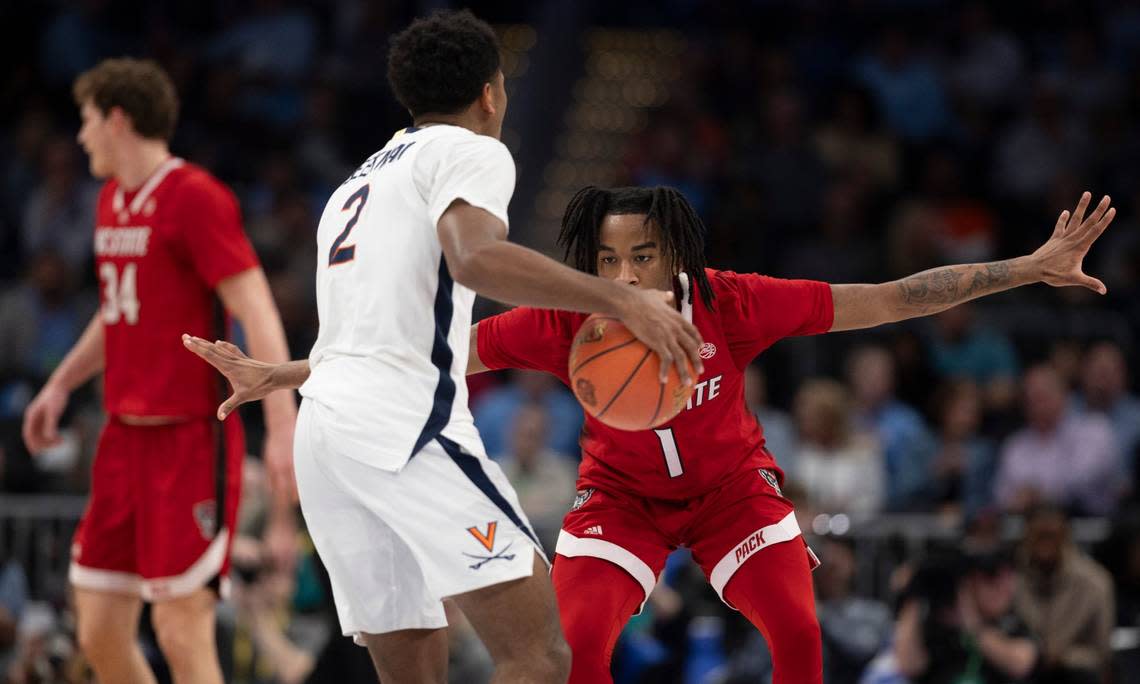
(704, 480)
(165, 483)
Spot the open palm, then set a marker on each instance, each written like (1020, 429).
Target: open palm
(250, 378)
(1061, 258)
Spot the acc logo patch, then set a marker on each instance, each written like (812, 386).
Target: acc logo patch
(707, 350)
(586, 391)
(582, 497)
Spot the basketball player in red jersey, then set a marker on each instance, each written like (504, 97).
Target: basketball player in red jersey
(704, 480)
(165, 482)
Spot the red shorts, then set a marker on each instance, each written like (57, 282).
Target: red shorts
(150, 528)
(723, 528)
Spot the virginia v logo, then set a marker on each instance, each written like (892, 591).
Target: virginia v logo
(487, 539)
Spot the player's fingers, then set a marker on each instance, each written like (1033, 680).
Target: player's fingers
(1059, 229)
(29, 430)
(229, 347)
(1093, 284)
(1098, 211)
(1079, 213)
(1101, 225)
(666, 359)
(202, 348)
(51, 424)
(228, 406)
(692, 350)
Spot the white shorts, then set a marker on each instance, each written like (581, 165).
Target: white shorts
(396, 544)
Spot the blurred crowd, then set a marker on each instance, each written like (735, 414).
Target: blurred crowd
(850, 141)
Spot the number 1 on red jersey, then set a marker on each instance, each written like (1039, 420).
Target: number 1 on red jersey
(672, 456)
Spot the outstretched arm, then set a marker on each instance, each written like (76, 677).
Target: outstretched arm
(252, 380)
(1057, 262)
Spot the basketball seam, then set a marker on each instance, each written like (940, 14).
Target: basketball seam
(624, 384)
(579, 367)
(657, 408)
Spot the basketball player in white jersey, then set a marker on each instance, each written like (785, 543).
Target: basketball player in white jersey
(402, 503)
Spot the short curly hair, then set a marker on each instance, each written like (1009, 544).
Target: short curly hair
(440, 64)
(137, 86)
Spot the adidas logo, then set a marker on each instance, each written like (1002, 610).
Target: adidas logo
(595, 530)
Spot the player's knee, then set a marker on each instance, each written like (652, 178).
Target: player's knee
(184, 632)
(560, 658)
(553, 663)
(97, 642)
(797, 634)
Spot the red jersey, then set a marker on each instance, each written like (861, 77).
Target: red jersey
(159, 252)
(715, 436)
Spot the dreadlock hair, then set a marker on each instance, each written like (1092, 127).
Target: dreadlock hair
(681, 231)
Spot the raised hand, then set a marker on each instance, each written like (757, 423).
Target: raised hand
(1061, 258)
(651, 316)
(250, 379)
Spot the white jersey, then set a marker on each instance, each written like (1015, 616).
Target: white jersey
(388, 370)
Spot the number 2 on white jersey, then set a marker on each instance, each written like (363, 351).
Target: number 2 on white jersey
(672, 456)
(341, 253)
(120, 294)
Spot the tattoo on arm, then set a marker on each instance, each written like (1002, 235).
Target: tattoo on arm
(941, 288)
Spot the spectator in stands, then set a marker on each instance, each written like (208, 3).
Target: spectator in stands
(39, 320)
(854, 628)
(1067, 600)
(785, 168)
(959, 624)
(13, 598)
(908, 446)
(779, 430)
(960, 347)
(1059, 457)
(1104, 391)
(60, 212)
(840, 468)
(1045, 142)
(965, 462)
(988, 68)
(908, 88)
(852, 142)
(839, 251)
(497, 407)
(544, 480)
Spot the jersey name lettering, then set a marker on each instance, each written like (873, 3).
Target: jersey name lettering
(121, 242)
(699, 395)
(380, 159)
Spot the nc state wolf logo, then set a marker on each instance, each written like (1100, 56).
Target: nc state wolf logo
(582, 497)
(487, 539)
(206, 515)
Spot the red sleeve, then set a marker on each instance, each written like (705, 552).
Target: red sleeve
(526, 338)
(210, 225)
(758, 311)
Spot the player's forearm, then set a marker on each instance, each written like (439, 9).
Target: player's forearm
(513, 274)
(289, 375)
(248, 297)
(910, 654)
(928, 292)
(84, 361)
(1015, 657)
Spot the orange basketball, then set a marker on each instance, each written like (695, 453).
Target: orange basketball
(615, 377)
